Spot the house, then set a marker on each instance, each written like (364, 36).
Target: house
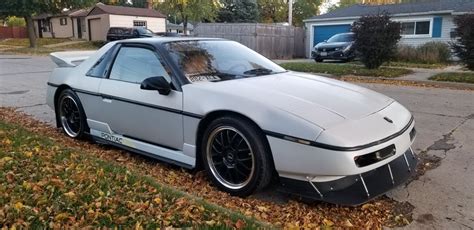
(54, 26)
(93, 23)
(421, 22)
(101, 17)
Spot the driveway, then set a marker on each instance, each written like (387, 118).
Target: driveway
(443, 197)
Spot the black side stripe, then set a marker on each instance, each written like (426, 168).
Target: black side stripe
(171, 110)
(341, 148)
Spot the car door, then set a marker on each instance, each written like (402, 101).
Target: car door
(143, 115)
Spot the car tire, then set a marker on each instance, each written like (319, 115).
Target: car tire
(71, 115)
(236, 156)
(318, 60)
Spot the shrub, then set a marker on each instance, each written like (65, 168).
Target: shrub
(464, 44)
(428, 53)
(376, 38)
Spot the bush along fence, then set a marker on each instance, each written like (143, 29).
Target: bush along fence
(272, 41)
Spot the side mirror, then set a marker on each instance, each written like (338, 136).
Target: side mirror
(156, 83)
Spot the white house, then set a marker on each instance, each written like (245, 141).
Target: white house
(102, 17)
(421, 22)
(93, 23)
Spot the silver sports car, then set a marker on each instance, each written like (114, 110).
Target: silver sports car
(215, 104)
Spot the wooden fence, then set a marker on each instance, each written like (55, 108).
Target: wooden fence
(272, 41)
(12, 32)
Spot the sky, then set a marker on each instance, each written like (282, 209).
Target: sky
(326, 5)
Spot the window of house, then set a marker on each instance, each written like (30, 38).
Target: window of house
(63, 21)
(139, 23)
(416, 28)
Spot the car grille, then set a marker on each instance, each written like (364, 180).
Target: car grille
(328, 49)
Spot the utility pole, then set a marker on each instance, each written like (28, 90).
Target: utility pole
(290, 12)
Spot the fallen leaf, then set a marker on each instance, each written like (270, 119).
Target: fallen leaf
(61, 216)
(157, 200)
(18, 206)
(239, 224)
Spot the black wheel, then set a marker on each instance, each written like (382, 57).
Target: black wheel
(235, 156)
(71, 114)
(318, 60)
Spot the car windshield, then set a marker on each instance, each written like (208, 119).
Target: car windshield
(144, 31)
(342, 38)
(219, 60)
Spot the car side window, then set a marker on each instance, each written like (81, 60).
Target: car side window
(135, 64)
(99, 68)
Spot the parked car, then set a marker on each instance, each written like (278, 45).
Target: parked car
(217, 104)
(119, 33)
(338, 47)
(168, 34)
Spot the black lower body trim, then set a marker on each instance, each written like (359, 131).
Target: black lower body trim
(355, 189)
(164, 159)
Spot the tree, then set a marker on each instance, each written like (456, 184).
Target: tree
(272, 11)
(303, 9)
(464, 45)
(27, 8)
(238, 11)
(194, 10)
(376, 38)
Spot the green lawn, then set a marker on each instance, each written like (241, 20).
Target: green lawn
(41, 50)
(25, 42)
(339, 69)
(46, 185)
(454, 77)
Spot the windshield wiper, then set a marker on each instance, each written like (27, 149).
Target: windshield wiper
(259, 71)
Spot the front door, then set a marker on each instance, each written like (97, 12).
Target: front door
(144, 115)
(40, 28)
(79, 28)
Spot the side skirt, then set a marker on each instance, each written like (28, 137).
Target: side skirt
(175, 157)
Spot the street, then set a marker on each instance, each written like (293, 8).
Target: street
(443, 197)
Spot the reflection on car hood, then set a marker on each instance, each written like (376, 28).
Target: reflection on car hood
(304, 95)
(332, 44)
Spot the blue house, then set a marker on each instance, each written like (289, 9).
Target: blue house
(421, 22)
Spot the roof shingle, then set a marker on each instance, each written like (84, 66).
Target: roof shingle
(131, 11)
(405, 8)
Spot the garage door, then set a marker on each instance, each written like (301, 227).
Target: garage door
(322, 33)
(95, 30)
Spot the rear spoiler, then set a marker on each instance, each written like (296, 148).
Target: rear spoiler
(70, 58)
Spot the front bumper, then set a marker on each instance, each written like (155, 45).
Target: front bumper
(359, 188)
(336, 55)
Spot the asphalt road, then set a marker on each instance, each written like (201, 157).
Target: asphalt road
(443, 197)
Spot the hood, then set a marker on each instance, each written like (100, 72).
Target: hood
(319, 100)
(332, 44)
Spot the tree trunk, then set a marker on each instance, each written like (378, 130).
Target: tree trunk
(31, 31)
(185, 25)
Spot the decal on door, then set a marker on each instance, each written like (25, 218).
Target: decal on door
(111, 137)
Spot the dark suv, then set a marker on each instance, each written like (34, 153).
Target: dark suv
(338, 47)
(119, 33)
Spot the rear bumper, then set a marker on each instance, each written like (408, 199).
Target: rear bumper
(359, 188)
